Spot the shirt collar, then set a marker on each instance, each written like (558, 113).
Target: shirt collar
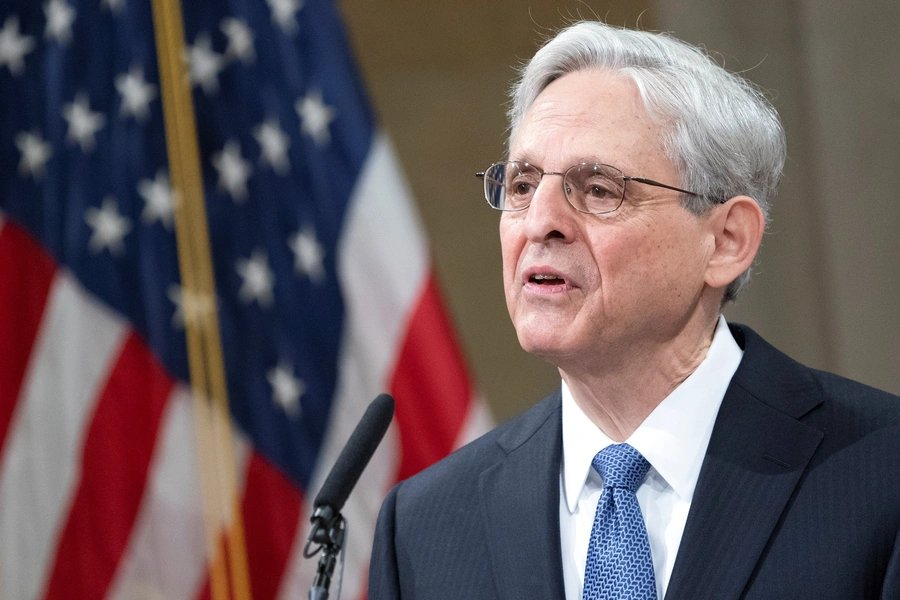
(673, 438)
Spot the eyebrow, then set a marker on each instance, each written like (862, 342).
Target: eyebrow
(521, 159)
(577, 161)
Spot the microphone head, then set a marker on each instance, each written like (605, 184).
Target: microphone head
(356, 454)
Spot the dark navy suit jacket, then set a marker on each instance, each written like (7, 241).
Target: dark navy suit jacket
(798, 497)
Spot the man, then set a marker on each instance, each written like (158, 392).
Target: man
(682, 457)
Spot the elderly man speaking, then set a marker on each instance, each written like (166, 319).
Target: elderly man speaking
(682, 457)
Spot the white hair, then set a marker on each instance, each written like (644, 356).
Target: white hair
(718, 129)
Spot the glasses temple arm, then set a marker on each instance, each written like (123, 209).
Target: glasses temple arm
(670, 187)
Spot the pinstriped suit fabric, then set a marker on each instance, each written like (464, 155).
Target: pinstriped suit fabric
(772, 517)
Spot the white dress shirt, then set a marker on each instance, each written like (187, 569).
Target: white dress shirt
(673, 439)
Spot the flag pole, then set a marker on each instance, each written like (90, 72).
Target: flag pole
(221, 501)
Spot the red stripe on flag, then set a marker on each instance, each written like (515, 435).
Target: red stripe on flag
(26, 273)
(271, 510)
(205, 593)
(431, 385)
(117, 453)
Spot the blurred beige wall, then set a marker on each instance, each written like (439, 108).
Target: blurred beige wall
(825, 289)
(828, 281)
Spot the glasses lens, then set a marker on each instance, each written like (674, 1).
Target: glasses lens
(493, 185)
(521, 181)
(595, 188)
(510, 185)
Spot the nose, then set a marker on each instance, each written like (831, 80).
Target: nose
(550, 216)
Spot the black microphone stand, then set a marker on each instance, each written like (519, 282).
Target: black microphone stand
(327, 532)
(329, 528)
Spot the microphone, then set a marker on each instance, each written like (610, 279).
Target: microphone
(356, 454)
(328, 525)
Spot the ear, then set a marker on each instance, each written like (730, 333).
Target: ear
(738, 227)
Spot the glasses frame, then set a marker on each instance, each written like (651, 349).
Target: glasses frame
(625, 179)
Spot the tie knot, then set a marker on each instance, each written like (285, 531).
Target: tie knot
(621, 466)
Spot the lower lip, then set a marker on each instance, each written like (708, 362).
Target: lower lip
(543, 289)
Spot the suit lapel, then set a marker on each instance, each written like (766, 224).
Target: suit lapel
(756, 456)
(520, 505)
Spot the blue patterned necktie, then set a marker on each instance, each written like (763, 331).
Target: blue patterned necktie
(619, 565)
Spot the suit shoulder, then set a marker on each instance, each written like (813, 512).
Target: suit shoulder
(836, 384)
(877, 406)
(460, 470)
(800, 391)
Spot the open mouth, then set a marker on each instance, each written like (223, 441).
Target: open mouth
(542, 279)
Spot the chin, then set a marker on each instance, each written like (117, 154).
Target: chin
(548, 347)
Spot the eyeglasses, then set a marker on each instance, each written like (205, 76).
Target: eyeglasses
(591, 188)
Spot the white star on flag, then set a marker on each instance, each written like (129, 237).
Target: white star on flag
(274, 144)
(190, 307)
(240, 40)
(316, 116)
(110, 228)
(259, 279)
(233, 170)
(136, 93)
(113, 6)
(14, 47)
(35, 154)
(60, 17)
(286, 389)
(205, 64)
(83, 123)
(308, 255)
(159, 199)
(284, 14)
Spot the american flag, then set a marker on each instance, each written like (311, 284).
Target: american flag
(324, 292)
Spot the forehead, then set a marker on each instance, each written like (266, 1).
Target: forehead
(588, 114)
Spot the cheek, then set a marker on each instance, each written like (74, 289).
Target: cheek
(510, 250)
(615, 253)
(510, 247)
(672, 257)
(629, 262)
